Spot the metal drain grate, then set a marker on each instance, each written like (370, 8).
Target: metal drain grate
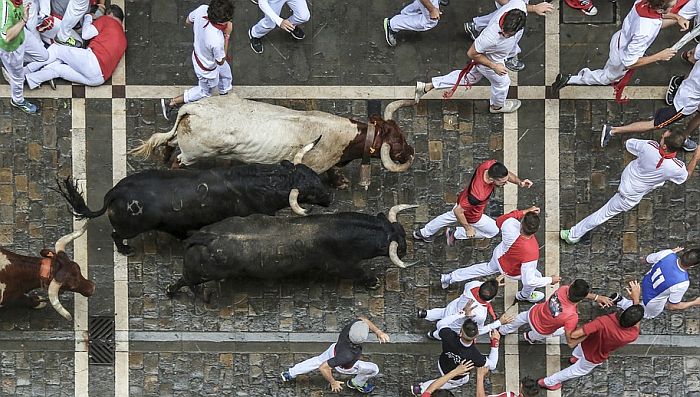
(101, 340)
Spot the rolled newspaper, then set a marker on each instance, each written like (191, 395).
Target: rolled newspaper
(686, 39)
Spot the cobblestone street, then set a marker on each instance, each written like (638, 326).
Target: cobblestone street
(238, 343)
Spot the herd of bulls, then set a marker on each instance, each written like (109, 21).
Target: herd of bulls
(226, 215)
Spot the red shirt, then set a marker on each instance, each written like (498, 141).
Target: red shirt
(109, 45)
(604, 336)
(556, 312)
(515, 250)
(479, 191)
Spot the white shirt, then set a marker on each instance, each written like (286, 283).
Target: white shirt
(687, 98)
(479, 312)
(641, 175)
(675, 293)
(636, 36)
(689, 10)
(490, 41)
(208, 43)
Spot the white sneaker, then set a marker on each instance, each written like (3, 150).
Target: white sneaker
(445, 280)
(535, 296)
(510, 106)
(420, 91)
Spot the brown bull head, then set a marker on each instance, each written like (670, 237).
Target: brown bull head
(396, 153)
(66, 274)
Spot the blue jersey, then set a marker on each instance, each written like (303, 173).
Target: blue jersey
(663, 275)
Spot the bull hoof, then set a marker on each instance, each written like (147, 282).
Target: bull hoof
(172, 290)
(373, 283)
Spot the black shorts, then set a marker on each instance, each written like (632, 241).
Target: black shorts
(667, 116)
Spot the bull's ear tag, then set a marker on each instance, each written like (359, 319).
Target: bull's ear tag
(365, 172)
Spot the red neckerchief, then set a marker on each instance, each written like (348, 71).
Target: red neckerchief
(664, 156)
(619, 86)
(645, 11)
(462, 74)
(220, 26)
(678, 6)
(475, 293)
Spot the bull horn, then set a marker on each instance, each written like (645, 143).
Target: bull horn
(54, 289)
(398, 208)
(300, 154)
(394, 256)
(389, 164)
(394, 106)
(65, 240)
(293, 196)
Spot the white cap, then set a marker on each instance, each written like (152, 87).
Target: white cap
(358, 332)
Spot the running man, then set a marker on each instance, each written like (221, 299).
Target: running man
(598, 339)
(665, 283)
(212, 28)
(557, 316)
(627, 48)
(474, 28)
(344, 357)
(456, 348)
(471, 203)
(474, 303)
(488, 54)
(515, 257)
(655, 164)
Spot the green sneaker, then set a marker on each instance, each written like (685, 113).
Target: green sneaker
(564, 235)
(71, 42)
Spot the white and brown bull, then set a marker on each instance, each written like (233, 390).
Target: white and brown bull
(228, 127)
(54, 270)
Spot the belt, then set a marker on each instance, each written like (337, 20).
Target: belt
(200, 64)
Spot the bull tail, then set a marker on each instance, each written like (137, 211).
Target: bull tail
(147, 147)
(69, 190)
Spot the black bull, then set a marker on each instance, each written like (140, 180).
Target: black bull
(265, 247)
(181, 201)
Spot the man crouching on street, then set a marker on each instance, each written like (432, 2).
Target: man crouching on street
(344, 357)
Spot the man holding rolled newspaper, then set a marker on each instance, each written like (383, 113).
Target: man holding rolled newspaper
(627, 48)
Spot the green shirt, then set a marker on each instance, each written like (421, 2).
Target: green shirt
(9, 17)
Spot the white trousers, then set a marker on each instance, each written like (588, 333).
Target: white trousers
(524, 318)
(362, 370)
(482, 21)
(205, 85)
(34, 50)
(486, 269)
(452, 308)
(484, 228)
(499, 84)
(77, 65)
(652, 309)
(581, 368)
(611, 72)
(451, 384)
(617, 204)
(74, 13)
(300, 14)
(414, 17)
(13, 61)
